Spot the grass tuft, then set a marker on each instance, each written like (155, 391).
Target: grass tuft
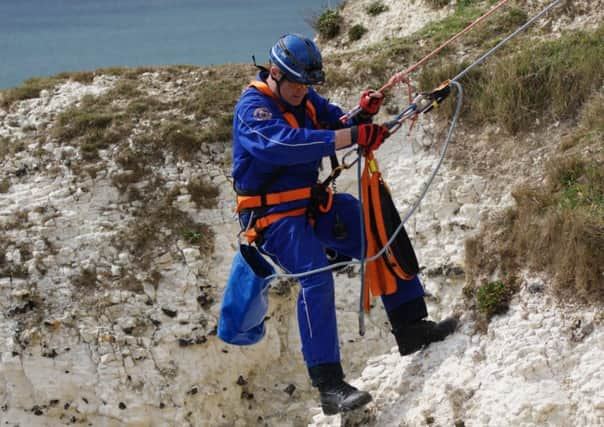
(93, 125)
(437, 4)
(540, 83)
(556, 226)
(375, 8)
(493, 298)
(30, 88)
(356, 32)
(157, 226)
(328, 24)
(561, 226)
(203, 194)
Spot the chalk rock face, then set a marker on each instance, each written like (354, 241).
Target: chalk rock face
(536, 366)
(110, 287)
(111, 275)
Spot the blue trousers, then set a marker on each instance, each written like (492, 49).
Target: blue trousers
(298, 247)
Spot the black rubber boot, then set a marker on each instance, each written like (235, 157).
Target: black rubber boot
(336, 394)
(420, 334)
(341, 397)
(412, 333)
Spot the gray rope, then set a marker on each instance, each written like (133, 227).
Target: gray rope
(504, 41)
(361, 261)
(407, 215)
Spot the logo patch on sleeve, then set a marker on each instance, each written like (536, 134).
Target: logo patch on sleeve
(262, 113)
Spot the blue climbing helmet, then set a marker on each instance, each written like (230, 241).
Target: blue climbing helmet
(299, 59)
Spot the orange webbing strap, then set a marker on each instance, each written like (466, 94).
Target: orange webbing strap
(263, 222)
(271, 199)
(327, 206)
(312, 113)
(289, 117)
(250, 202)
(252, 233)
(379, 280)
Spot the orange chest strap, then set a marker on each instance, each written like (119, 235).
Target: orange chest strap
(288, 116)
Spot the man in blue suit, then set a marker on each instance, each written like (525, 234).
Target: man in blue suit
(282, 129)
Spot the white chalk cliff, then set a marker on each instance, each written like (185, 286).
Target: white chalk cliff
(91, 334)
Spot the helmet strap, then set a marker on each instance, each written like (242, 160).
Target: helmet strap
(277, 81)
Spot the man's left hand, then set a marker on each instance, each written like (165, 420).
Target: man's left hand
(371, 101)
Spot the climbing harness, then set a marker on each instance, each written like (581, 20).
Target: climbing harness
(422, 103)
(319, 195)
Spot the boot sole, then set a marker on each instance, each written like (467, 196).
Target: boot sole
(336, 409)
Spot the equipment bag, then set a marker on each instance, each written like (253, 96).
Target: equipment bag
(245, 300)
(381, 221)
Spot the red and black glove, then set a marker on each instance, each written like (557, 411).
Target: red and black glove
(371, 101)
(369, 136)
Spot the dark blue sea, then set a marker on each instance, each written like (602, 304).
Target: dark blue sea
(45, 37)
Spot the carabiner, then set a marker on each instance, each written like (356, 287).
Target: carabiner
(345, 165)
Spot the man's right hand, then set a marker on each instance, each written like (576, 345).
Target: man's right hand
(369, 136)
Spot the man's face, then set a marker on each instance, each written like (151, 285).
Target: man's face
(293, 93)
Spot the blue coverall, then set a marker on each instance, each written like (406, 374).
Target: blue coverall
(263, 143)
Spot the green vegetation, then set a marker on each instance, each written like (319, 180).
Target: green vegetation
(93, 131)
(4, 147)
(438, 31)
(328, 24)
(191, 236)
(4, 185)
(375, 8)
(97, 122)
(539, 83)
(182, 136)
(561, 226)
(491, 32)
(213, 101)
(493, 298)
(156, 226)
(556, 227)
(203, 194)
(381, 60)
(29, 89)
(356, 32)
(100, 122)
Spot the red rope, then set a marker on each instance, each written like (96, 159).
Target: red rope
(401, 76)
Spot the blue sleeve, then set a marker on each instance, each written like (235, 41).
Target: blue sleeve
(262, 131)
(328, 114)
